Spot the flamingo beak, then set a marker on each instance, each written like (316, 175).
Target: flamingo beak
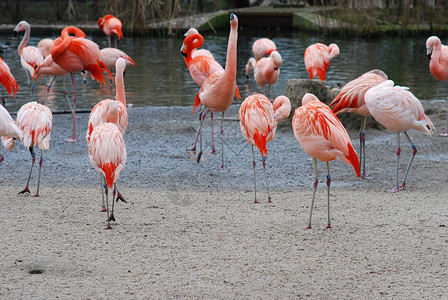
(15, 33)
(184, 54)
(429, 53)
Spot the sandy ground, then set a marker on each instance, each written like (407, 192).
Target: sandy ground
(191, 230)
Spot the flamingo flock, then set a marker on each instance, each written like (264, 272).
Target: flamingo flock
(315, 125)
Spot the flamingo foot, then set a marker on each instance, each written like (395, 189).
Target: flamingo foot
(191, 149)
(25, 190)
(213, 151)
(309, 227)
(256, 201)
(444, 133)
(199, 157)
(366, 177)
(103, 209)
(108, 227)
(223, 167)
(111, 217)
(397, 189)
(120, 197)
(36, 195)
(328, 226)
(269, 200)
(72, 139)
(2, 158)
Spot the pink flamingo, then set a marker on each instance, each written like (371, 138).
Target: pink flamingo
(35, 121)
(107, 153)
(263, 47)
(438, 64)
(258, 122)
(7, 80)
(317, 59)
(397, 109)
(267, 70)
(75, 54)
(111, 27)
(218, 90)
(44, 46)
(323, 137)
(197, 52)
(30, 57)
(109, 57)
(351, 99)
(8, 130)
(101, 113)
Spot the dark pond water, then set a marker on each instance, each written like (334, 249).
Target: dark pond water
(161, 78)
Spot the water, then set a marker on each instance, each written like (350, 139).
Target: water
(161, 78)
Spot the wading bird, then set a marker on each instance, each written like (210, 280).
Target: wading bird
(218, 90)
(397, 109)
(266, 69)
(351, 99)
(111, 27)
(258, 123)
(197, 52)
(262, 48)
(323, 137)
(317, 59)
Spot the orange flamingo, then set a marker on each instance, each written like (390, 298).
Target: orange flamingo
(438, 64)
(317, 59)
(75, 54)
(323, 137)
(111, 27)
(7, 80)
(35, 120)
(197, 52)
(267, 70)
(263, 47)
(30, 56)
(8, 130)
(351, 99)
(258, 122)
(107, 153)
(101, 113)
(397, 109)
(218, 90)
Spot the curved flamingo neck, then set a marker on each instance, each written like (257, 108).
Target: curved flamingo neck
(192, 42)
(25, 39)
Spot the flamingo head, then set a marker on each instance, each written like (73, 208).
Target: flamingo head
(308, 98)
(334, 50)
(431, 42)
(190, 32)
(23, 25)
(233, 20)
(379, 73)
(277, 58)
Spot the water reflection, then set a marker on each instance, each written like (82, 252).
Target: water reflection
(161, 78)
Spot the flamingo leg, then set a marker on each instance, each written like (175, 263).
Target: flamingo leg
(213, 134)
(73, 138)
(316, 181)
(414, 152)
(109, 40)
(103, 206)
(397, 188)
(106, 191)
(362, 150)
(255, 180)
(266, 178)
(328, 194)
(201, 120)
(2, 158)
(33, 156)
(222, 142)
(119, 195)
(200, 137)
(66, 93)
(49, 87)
(112, 217)
(445, 132)
(38, 178)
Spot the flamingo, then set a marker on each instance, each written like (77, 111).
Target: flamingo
(397, 109)
(100, 114)
(317, 59)
(218, 90)
(7, 80)
(75, 54)
(107, 153)
(438, 64)
(30, 56)
(8, 130)
(35, 121)
(109, 57)
(263, 47)
(111, 26)
(351, 99)
(258, 123)
(266, 70)
(44, 46)
(197, 52)
(323, 137)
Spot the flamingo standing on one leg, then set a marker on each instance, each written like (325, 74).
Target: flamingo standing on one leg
(218, 90)
(111, 27)
(107, 153)
(8, 130)
(397, 109)
(323, 137)
(317, 59)
(351, 99)
(75, 54)
(258, 122)
(262, 48)
(30, 56)
(35, 120)
(101, 113)
(438, 64)
(7, 80)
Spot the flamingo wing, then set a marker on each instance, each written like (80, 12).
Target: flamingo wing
(35, 120)
(7, 79)
(100, 113)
